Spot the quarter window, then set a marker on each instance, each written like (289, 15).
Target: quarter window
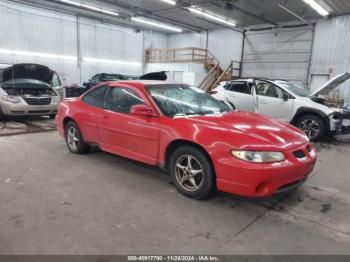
(122, 99)
(95, 97)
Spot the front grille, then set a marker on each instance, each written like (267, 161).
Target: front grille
(37, 101)
(299, 154)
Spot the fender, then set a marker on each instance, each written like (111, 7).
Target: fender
(309, 110)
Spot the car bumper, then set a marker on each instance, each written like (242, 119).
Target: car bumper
(23, 109)
(263, 180)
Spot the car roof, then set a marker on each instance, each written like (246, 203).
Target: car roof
(143, 83)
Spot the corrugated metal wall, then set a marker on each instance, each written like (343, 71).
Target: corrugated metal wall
(188, 40)
(280, 53)
(331, 50)
(226, 45)
(25, 28)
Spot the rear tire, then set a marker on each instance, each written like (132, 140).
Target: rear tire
(74, 139)
(313, 126)
(192, 173)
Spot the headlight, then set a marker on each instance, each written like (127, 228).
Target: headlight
(258, 157)
(56, 99)
(12, 99)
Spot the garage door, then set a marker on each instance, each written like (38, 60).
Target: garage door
(278, 54)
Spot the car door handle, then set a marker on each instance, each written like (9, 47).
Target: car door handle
(105, 117)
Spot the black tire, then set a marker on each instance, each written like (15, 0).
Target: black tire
(205, 181)
(313, 126)
(2, 116)
(80, 146)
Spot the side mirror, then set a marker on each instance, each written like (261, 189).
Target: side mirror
(143, 110)
(285, 97)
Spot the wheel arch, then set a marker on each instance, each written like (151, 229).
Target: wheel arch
(303, 111)
(68, 119)
(175, 144)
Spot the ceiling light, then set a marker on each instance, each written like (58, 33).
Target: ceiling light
(35, 54)
(170, 2)
(109, 61)
(317, 7)
(212, 16)
(156, 24)
(89, 7)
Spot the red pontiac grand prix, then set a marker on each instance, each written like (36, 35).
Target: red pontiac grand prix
(201, 142)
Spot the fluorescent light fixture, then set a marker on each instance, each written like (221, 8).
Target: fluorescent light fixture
(319, 9)
(109, 61)
(212, 16)
(170, 2)
(93, 8)
(156, 24)
(35, 54)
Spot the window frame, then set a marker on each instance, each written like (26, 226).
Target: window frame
(228, 86)
(93, 90)
(271, 83)
(110, 90)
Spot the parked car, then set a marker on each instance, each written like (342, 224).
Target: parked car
(286, 101)
(28, 89)
(105, 77)
(201, 142)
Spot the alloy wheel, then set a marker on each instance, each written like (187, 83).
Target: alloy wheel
(189, 173)
(73, 139)
(310, 127)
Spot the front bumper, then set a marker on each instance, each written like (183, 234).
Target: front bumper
(263, 180)
(23, 109)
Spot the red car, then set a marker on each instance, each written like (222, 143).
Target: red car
(201, 142)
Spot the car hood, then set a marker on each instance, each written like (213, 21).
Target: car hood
(259, 132)
(28, 71)
(330, 85)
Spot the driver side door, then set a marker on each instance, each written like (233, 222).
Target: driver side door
(126, 134)
(270, 101)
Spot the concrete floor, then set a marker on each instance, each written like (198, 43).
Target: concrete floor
(53, 202)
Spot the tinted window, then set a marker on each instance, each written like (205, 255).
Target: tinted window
(95, 97)
(122, 99)
(268, 89)
(240, 87)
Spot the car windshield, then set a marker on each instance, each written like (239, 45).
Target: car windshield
(297, 90)
(179, 100)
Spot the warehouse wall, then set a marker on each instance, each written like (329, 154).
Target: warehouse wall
(41, 31)
(278, 53)
(331, 51)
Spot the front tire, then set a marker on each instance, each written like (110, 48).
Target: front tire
(192, 173)
(313, 126)
(74, 139)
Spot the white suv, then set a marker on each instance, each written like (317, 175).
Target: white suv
(287, 102)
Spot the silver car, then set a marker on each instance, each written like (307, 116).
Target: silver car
(29, 89)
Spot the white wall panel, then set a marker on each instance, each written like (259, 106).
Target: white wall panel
(188, 40)
(111, 43)
(26, 29)
(281, 53)
(153, 39)
(37, 30)
(331, 50)
(226, 45)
